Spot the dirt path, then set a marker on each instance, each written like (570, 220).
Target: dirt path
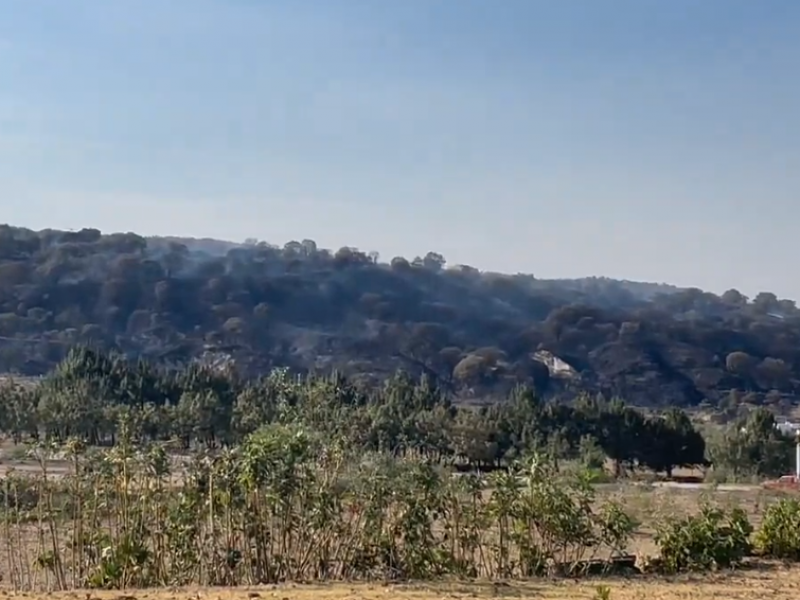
(777, 584)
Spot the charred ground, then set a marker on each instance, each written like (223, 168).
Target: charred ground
(176, 300)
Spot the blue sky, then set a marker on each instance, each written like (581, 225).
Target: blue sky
(639, 139)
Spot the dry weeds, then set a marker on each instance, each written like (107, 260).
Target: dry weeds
(647, 504)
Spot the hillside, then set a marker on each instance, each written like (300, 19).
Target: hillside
(177, 300)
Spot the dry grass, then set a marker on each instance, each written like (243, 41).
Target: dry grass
(649, 506)
(776, 584)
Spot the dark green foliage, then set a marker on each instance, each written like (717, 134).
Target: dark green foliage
(753, 447)
(779, 534)
(287, 506)
(713, 539)
(92, 397)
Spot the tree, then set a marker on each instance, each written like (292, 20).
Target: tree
(433, 261)
(683, 445)
(622, 433)
(309, 247)
(734, 297)
(754, 446)
(400, 264)
(473, 370)
(739, 363)
(235, 326)
(765, 301)
(176, 259)
(422, 345)
(473, 442)
(775, 372)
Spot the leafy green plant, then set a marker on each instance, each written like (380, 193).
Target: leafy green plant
(288, 505)
(779, 534)
(602, 592)
(712, 539)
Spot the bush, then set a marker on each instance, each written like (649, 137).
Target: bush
(779, 534)
(710, 540)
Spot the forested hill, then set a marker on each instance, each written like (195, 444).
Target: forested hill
(259, 306)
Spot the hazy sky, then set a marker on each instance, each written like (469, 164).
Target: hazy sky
(643, 139)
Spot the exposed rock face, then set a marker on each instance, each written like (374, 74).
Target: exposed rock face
(558, 368)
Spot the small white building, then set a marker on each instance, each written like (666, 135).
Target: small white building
(788, 428)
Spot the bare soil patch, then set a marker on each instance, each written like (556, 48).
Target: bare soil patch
(777, 583)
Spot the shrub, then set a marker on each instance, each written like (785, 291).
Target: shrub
(282, 506)
(779, 534)
(710, 540)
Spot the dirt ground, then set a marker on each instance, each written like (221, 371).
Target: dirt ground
(776, 584)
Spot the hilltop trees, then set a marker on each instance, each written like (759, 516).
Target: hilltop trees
(312, 310)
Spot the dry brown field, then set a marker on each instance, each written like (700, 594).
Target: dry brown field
(773, 583)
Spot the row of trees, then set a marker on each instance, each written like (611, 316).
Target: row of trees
(91, 394)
